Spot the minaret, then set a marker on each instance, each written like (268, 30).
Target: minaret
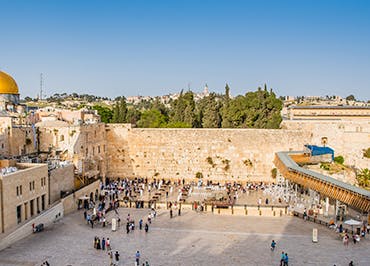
(205, 91)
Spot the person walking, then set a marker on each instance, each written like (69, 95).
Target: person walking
(146, 228)
(137, 258)
(128, 227)
(282, 258)
(273, 245)
(141, 224)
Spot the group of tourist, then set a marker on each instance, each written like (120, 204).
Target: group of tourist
(284, 259)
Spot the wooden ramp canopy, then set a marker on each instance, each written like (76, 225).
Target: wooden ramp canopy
(355, 197)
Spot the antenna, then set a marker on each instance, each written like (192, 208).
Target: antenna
(41, 84)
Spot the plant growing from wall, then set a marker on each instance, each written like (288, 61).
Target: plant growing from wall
(248, 163)
(198, 175)
(210, 161)
(226, 162)
(325, 166)
(367, 153)
(72, 133)
(273, 173)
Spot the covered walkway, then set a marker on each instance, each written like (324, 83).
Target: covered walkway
(353, 196)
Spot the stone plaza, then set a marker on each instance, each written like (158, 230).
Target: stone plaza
(194, 238)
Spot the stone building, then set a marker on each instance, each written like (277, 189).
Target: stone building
(84, 145)
(319, 112)
(24, 192)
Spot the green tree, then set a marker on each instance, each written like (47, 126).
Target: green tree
(183, 109)
(363, 178)
(119, 110)
(210, 112)
(104, 112)
(225, 119)
(151, 119)
(351, 97)
(133, 115)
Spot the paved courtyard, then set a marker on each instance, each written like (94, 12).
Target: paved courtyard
(192, 239)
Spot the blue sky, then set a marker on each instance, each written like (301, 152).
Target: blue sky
(112, 48)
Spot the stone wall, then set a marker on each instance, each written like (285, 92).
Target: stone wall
(70, 203)
(48, 217)
(347, 138)
(61, 179)
(218, 154)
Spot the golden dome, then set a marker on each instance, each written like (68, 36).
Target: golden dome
(7, 84)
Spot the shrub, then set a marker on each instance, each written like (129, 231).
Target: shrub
(367, 153)
(325, 166)
(339, 159)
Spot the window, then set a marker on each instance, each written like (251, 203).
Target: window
(38, 205)
(33, 185)
(20, 190)
(30, 186)
(25, 211)
(61, 138)
(42, 182)
(93, 151)
(99, 149)
(43, 202)
(19, 214)
(17, 191)
(32, 207)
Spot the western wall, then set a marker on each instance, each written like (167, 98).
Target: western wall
(225, 154)
(218, 154)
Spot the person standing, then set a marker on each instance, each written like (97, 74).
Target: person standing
(171, 213)
(116, 255)
(179, 212)
(110, 254)
(286, 259)
(107, 243)
(103, 244)
(137, 257)
(141, 224)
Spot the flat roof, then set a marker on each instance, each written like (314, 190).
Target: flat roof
(328, 107)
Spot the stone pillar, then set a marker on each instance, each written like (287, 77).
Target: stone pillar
(326, 213)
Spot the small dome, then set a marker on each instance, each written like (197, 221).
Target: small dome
(7, 84)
